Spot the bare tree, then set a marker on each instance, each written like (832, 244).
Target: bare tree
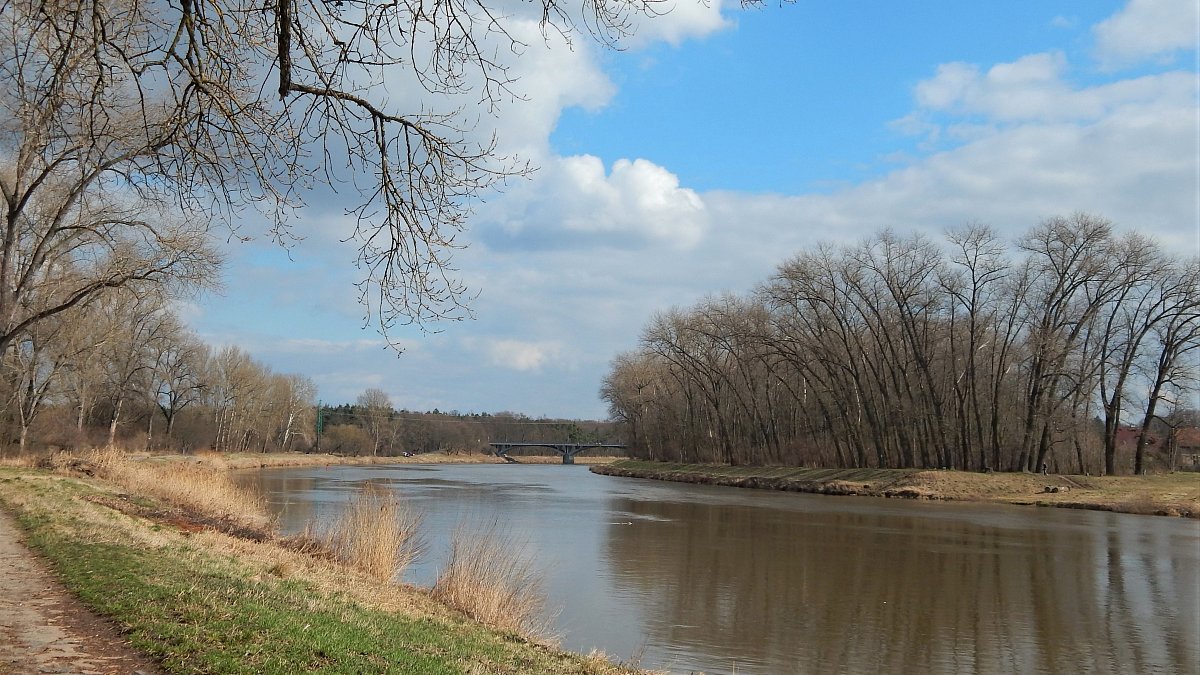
(237, 388)
(140, 330)
(294, 400)
(33, 367)
(975, 286)
(1072, 263)
(120, 110)
(1177, 335)
(375, 409)
(893, 353)
(178, 375)
(86, 373)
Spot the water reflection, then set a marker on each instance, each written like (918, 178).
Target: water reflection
(723, 580)
(764, 590)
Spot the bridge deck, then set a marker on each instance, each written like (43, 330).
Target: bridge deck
(567, 450)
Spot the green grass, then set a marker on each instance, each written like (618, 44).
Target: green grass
(202, 611)
(204, 617)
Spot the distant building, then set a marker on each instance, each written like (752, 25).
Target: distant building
(1187, 439)
(1183, 442)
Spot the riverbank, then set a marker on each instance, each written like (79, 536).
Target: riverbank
(1175, 494)
(202, 592)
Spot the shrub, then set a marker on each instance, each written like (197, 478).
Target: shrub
(377, 534)
(491, 578)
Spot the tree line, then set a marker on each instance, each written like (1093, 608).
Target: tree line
(970, 353)
(372, 426)
(124, 369)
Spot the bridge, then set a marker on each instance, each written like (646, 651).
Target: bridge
(567, 450)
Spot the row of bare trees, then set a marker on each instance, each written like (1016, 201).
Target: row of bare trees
(122, 368)
(905, 352)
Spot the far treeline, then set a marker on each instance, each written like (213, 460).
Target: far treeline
(1073, 347)
(371, 426)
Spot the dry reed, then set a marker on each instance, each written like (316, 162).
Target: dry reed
(201, 489)
(490, 578)
(377, 534)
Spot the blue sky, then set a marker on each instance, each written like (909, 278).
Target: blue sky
(720, 141)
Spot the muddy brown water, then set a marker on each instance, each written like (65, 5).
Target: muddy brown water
(725, 580)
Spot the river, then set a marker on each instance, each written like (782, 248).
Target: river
(723, 580)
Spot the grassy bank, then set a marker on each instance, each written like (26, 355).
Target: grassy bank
(203, 592)
(1175, 494)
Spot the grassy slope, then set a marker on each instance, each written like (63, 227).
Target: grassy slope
(207, 602)
(1174, 494)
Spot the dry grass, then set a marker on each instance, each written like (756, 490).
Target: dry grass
(324, 614)
(489, 578)
(1150, 506)
(1176, 494)
(491, 584)
(198, 488)
(376, 534)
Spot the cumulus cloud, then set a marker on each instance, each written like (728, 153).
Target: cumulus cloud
(1147, 30)
(550, 75)
(1125, 166)
(575, 201)
(674, 21)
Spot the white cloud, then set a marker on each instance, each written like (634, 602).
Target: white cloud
(1035, 147)
(1064, 22)
(550, 76)
(189, 311)
(674, 21)
(574, 199)
(1032, 88)
(1147, 30)
(516, 354)
(321, 347)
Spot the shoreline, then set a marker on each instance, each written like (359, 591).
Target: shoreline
(1176, 495)
(207, 588)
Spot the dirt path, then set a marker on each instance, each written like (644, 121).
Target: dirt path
(44, 629)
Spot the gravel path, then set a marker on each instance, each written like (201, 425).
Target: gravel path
(44, 629)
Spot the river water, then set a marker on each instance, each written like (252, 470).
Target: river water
(723, 580)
